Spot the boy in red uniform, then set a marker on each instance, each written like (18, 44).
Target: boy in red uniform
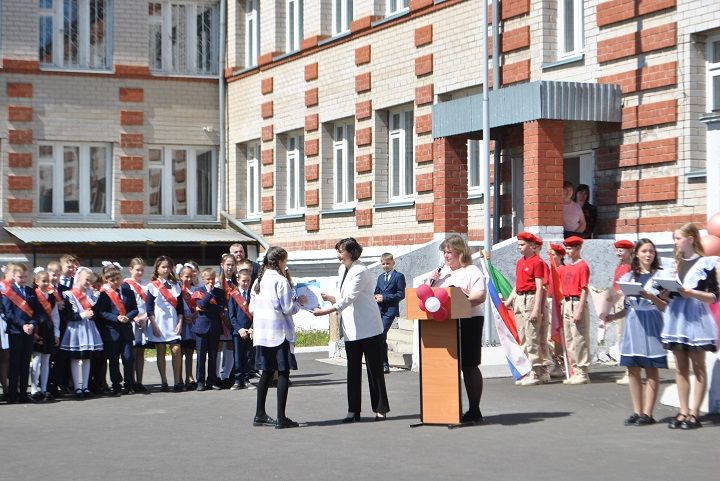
(527, 303)
(574, 279)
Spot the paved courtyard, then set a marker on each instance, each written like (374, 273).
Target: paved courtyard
(551, 432)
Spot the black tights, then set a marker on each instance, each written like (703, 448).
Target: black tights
(474, 387)
(282, 392)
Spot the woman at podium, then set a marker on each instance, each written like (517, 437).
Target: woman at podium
(459, 271)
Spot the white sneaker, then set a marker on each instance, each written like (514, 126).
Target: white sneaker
(577, 379)
(530, 380)
(625, 380)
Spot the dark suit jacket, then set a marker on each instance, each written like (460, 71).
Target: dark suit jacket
(106, 316)
(208, 319)
(238, 318)
(14, 316)
(393, 291)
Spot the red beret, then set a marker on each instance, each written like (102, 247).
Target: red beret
(538, 240)
(526, 236)
(558, 248)
(624, 244)
(573, 241)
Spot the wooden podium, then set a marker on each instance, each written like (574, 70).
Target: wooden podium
(440, 390)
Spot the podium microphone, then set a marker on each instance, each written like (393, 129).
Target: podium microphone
(432, 281)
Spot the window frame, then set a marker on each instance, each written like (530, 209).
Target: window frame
(712, 71)
(56, 14)
(476, 167)
(401, 134)
(577, 27)
(191, 38)
(293, 41)
(344, 177)
(295, 185)
(84, 188)
(167, 190)
(343, 17)
(252, 33)
(400, 7)
(253, 176)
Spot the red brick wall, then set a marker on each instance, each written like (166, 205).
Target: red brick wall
(450, 185)
(618, 10)
(543, 172)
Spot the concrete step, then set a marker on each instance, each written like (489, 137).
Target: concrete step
(403, 347)
(398, 359)
(405, 324)
(400, 335)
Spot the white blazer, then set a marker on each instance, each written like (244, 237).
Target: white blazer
(355, 303)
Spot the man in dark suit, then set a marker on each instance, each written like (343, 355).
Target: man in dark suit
(390, 290)
(19, 305)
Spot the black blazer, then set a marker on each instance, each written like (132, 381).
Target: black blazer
(106, 315)
(15, 316)
(393, 291)
(208, 319)
(238, 318)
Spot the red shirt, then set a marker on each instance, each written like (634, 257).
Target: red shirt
(526, 271)
(574, 278)
(620, 271)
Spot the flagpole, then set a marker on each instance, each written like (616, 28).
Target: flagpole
(485, 150)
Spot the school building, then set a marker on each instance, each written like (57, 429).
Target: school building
(349, 118)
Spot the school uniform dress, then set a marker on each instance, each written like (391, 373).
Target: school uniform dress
(641, 345)
(273, 326)
(238, 308)
(21, 344)
(82, 339)
(166, 314)
(187, 335)
(139, 290)
(48, 327)
(118, 337)
(689, 325)
(206, 329)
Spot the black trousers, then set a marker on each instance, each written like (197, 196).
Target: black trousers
(241, 350)
(387, 324)
(206, 346)
(117, 350)
(21, 347)
(372, 348)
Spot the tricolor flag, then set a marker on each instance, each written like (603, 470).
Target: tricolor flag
(498, 286)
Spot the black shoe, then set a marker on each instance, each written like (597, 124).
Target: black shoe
(164, 387)
(191, 386)
(200, 386)
(25, 399)
(632, 419)
(690, 422)
(354, 418)
(264, 421)
(386, 368)
(644, 420)
(237, 386)
(676, 421)
(380, 417)
(138, 387)
(284, 423)
(128, 390)
(216, 387)
(116, 391)
(179, 387)
(87, 393)
(79, 394)
(471, 417)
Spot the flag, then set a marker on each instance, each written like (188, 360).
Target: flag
(497, 285)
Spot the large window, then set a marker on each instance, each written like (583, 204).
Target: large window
(713, 74)
(181, 181)
(74, 179)
(397, 6)
(74, 33)
(252, 32)
(342, 15)
(295, 164)
(183, 37)
(570, 27)
(252, 181)
(293, 24)
(344, 163)
(401, 154)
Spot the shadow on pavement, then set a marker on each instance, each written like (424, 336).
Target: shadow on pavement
(513, 419)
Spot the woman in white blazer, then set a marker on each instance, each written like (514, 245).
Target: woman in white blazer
(362, 329)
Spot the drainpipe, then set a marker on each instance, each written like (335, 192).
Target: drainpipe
(221, 108)
(485, 144)
(498, 145)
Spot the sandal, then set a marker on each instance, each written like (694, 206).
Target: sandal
(677, 421)
(690, 422)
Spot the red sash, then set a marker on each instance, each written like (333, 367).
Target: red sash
(115, 298)
(197, 295)
(137, 288)
(17, 300)
(165, 293)
(58, 296)
(189, 299)
(44, 303)
(81, 298)
(240, 301)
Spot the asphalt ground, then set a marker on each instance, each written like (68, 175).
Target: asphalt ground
(551, 432)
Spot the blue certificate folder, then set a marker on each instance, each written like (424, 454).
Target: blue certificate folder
(311, 290)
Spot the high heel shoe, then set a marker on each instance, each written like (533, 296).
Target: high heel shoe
(380, 417)
(351, 418)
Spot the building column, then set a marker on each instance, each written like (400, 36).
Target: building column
(450, 210)
(543, 147)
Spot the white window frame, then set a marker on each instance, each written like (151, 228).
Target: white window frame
(191, 38)
(712, 72)
(342, 15)
(564, 50)
(253, 175)
(294, 19)
(344, 164)
(406, 160)
(83, 173)
(394, 7)
(295, 184)
(476, 167)
(252, 32)
(85, 61)
(191, 185)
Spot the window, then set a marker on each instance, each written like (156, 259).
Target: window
(570, 28)
(397, 6)
(475, 167)
(342, 15)
(74, 33)
(183, 37)
(713, 74)
(252, 32)
(253, 179)
(181, 181)
(401, 154)
(293, 25)
(74, 179)
(295, 164)
(344, 163)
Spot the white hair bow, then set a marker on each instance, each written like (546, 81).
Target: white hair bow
(38, 270)
(109, 263)
(178, 269)
(3, 269)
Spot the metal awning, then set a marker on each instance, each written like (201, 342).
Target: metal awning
(530, 101)
(82, 235)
